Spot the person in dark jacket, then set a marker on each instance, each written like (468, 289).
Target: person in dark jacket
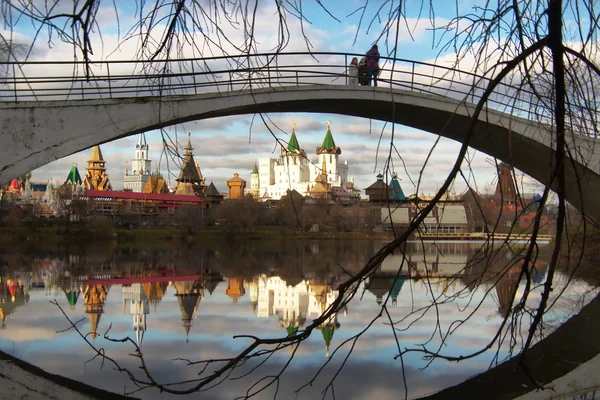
(362, 72)
(373, 64)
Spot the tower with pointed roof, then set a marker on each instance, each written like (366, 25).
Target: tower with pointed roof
(254, 190)
(141, 167)
(396, 194)
(190, 180)
(96, 177)
(337, 174)
(506, 189)
(322, 188)
(379, 191)
(74, 180)
(291, 171)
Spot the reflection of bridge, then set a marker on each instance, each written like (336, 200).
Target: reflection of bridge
(51, 114)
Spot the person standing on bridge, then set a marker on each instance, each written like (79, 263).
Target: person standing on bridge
(373, 65)
(353, 72)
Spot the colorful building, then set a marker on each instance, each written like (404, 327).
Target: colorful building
(96, 177)
(294, 171)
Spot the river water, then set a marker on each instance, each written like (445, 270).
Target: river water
(189, 303)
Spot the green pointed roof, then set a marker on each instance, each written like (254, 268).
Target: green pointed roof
(255, 170)
(328, 142)
(327, 332)
(74, 176)
(291, 330)
(293, 144)
(72, 297)
(396, 193)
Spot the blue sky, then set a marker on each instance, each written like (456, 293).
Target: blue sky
(227, 145)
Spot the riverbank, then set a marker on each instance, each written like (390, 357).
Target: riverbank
(22, 380)
(171, 235)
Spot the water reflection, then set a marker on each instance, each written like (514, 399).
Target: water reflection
(189, 304)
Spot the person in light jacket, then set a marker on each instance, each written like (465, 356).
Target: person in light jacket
(353, 72)
(373, 64)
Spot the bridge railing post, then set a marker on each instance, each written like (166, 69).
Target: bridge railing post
(345, 69)
(231, 81)
(109, 80)
(194, 78)
(268, 71)
(14, 82)
(412, 77)
(82, 93)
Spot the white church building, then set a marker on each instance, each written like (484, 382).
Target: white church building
(293, 170)
(140, 167)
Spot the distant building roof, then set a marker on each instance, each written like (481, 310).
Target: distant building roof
(96, 155)
(155, 184)
(73, 177)
(293, 143)
(211, 190)
(328, 146)
(397, 193)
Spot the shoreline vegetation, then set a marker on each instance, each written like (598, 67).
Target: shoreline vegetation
(184, 235)
(173, 235)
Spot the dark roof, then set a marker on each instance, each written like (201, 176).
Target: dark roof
(211, 190)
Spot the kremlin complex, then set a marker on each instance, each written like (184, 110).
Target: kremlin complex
(288, 181)
(270, 179)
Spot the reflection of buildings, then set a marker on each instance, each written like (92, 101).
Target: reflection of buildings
(235, 288)
(253, 289)
(139, 307)
(294, 304)
(436, 260)
(154, 291)
(12, 295)
(189, 294)
(380, 283)
(94, 297)
(506, 289)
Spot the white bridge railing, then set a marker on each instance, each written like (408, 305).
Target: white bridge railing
(64, 80)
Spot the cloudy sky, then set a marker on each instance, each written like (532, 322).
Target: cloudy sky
(227, 145)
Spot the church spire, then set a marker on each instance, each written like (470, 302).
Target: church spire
(328, 146)
(142, 144)
(293, 143)
(96, 177)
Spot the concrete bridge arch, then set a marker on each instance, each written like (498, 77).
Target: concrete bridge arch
(36, 133)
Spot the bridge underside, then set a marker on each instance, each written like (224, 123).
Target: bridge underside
(36, 133)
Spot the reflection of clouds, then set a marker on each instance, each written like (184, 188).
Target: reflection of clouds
(30, 330)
